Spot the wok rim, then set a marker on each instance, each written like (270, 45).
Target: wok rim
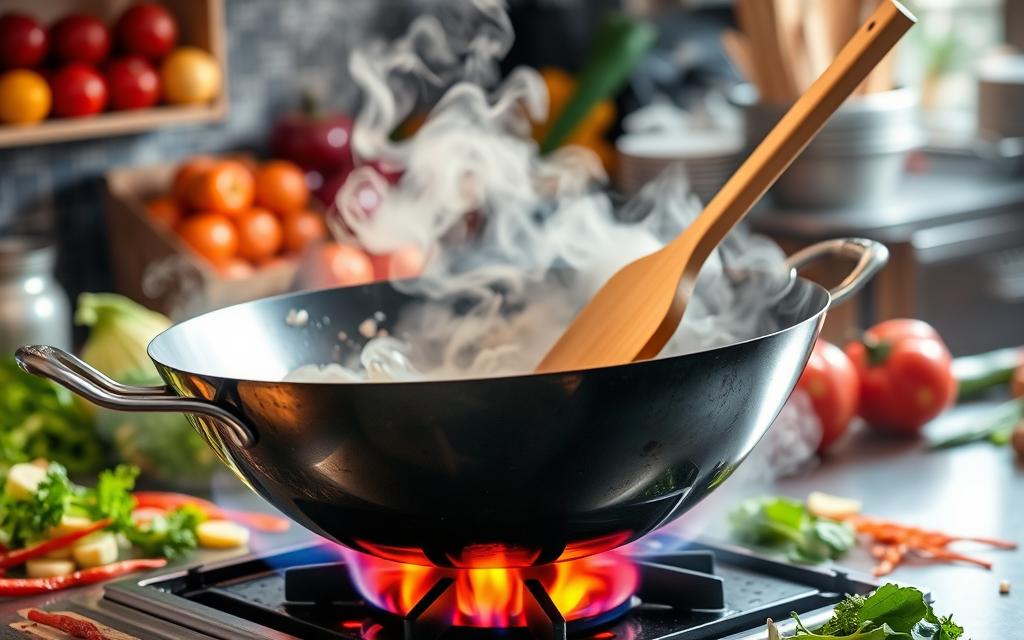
(827, 303)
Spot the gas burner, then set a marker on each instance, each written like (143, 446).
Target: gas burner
(549, 601)
(313, 593)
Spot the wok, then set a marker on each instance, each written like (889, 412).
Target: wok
(509, 471)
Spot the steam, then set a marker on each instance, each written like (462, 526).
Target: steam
(516, 242)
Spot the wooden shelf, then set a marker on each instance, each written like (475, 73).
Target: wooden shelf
(200, 24)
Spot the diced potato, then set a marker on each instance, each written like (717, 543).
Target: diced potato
(22, 480)
(45, 568)
(70, 524)
(824, 505)
(95, 549)
(64, 553)
(222, 534)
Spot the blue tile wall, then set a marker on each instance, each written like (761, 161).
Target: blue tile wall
(275, 48)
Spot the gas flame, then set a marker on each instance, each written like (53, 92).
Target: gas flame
(496, 597)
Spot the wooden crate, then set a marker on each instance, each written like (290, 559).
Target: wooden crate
(200, 24)
(140, 249)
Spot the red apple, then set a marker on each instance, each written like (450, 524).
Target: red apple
(78, 90)
(23, 41)
(133, 83)
(146, 29)
(80, 38)
(314, 141)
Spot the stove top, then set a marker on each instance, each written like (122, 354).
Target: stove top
(705, 591)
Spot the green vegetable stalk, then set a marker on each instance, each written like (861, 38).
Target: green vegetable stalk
(621, 42)
(163, 445)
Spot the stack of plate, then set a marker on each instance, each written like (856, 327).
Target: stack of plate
(709, 157)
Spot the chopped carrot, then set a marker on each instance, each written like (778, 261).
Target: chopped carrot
(892, 542)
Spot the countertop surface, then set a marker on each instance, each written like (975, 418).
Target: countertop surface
(977, 489)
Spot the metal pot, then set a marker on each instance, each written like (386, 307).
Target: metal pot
(33, 305)
(859, 156)
(509, 471)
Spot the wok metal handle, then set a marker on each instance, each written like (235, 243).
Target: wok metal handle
(74, 374)
(871, 256)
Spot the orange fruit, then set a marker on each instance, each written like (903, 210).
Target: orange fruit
(302, 227)
(259, 234)
(281, 186)
(164, 211)
(24, 97)
(188, 171)
(211, 235)
(226, 187)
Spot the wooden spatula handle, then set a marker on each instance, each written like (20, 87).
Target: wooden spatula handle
(794, 131)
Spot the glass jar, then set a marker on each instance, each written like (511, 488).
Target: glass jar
(34, 308)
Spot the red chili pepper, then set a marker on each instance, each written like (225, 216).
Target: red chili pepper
(14, 587)
(170, 501)
(19, 556)
(74, 627)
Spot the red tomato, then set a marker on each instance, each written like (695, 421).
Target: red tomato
(78, 90)
(80, 38)
(23, 41)
(334, 265)
(830, 380)
(133, 83)
(146, 29)
(906, 375)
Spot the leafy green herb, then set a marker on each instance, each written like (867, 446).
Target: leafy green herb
(26, 521)
(171, 536)
(39, 419)
(890, 613)
(996, 428)
(787, 525)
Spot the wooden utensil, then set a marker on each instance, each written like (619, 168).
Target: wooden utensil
(639, 308)
(757, 19)
(738, 49)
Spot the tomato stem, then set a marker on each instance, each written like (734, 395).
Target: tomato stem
(878, 350)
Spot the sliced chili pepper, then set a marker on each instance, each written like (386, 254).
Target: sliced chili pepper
(14, 587)
(19, 556)
(74, 627)
(170, 500)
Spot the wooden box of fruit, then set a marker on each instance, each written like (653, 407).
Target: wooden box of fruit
(209, 232)
(93, 68)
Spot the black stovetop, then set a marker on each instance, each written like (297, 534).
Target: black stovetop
(677, 598)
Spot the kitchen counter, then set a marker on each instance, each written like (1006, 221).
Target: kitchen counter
(972, 490)
(978, 489)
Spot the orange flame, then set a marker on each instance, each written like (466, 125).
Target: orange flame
(495, 596)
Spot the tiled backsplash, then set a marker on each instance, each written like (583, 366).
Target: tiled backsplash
(275, 49)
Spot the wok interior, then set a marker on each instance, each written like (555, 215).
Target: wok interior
(253, 341)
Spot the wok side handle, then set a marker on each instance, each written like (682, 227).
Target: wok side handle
(871, 256)
(79, 377)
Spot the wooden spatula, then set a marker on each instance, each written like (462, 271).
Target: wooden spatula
(639, 308)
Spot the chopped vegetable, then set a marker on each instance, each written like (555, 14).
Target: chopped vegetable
(824, 505)
(23, 521)
(39, 419)
(20, 556)
(222, 534)
(981, 372)
(1004, 587)
(892, 542)
(169, 500)
(14, 587)
(74, 627)
(95, 550)
(898, 613)
(47, 568)
(788, 525)
(170, 536)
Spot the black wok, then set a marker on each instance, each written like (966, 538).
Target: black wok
(506, 471)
